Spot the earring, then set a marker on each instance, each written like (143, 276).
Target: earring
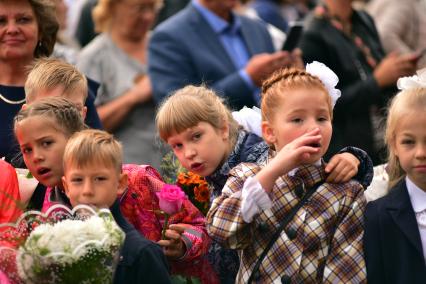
(39, 43)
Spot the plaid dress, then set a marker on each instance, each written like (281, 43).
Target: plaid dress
(323, 242)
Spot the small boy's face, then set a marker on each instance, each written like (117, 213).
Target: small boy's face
(95, 184)
(300, 111)
(202, 148)
(77, 98)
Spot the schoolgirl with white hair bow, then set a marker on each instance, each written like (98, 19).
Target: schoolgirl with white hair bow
(395, 225)
(288, 222)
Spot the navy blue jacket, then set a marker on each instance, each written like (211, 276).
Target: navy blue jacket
(392, 243)
(141, 260)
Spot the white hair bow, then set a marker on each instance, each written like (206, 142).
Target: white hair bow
(412, 82)
(328, 78)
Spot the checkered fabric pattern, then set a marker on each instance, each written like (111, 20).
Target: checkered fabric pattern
(323, 242)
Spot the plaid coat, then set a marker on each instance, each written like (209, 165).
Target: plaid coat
(323, 242)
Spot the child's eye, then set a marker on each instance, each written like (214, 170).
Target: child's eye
(46, 143)
(322, 119)
(26, 150)
(196, 136)
(297, 120)
(2, 20)
(407, 141)
(100, 178)
(76, 180)
(176, 146)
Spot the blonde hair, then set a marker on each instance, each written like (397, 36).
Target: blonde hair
(402, 104)
(49, 73)
(91, 146)
(191, 105)
(63, 113)
(103, 11)
(275, 88)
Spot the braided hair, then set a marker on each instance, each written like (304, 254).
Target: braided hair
(65, 115)
(275, 88)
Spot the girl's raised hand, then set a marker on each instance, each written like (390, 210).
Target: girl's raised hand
(289, 157)
(341, 168)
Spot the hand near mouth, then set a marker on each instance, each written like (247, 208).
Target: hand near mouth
(291, 156)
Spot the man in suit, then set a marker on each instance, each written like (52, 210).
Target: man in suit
(206, 43)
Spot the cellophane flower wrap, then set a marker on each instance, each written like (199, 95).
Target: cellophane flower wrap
(72, 246)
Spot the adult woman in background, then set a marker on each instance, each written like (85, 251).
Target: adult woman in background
(346, 40)
(117, 59)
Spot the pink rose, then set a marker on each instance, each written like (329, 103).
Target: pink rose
(171, 198)
(3, 278)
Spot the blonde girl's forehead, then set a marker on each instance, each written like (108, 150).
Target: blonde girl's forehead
(49, 123)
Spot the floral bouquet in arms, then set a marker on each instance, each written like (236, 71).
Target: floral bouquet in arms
(62, 246)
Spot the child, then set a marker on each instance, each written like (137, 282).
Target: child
(50, 77)
(395, 225)
(322, 241)
(208, 141)
(42, 130)
(93, 176)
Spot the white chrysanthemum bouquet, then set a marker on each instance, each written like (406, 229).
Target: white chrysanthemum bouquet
(74, 250)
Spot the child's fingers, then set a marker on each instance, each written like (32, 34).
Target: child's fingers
(180, 228)
(331, 165)
(336, 171)
(173, 235)
(165, 243)
(304, 141)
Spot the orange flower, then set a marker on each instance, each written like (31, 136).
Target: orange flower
(202, 193)
(182, 179)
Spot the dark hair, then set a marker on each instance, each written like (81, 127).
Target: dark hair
(48, 26)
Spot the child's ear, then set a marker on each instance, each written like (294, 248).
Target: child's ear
(24, 106)
(268, 133)
(65, 184)
(392, 147)
(122, 183)
(84, 112)
(225, 130)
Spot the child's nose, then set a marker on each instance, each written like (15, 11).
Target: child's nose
(189, 153)
(421, 152)
(38, 155)
(87, 188)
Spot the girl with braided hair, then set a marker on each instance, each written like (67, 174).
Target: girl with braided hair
(289, 223)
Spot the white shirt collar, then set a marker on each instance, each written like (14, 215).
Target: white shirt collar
(417, 196)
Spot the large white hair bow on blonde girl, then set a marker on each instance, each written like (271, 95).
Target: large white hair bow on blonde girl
(327, 77)
(413, 82)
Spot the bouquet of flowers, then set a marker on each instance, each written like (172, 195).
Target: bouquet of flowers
(81, 248)
(194, 186)
(197, 190)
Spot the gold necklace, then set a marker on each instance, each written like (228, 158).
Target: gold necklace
(6, 100)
